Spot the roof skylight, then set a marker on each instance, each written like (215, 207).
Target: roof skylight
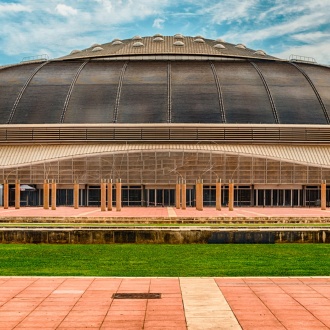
(138, 44)
(219, 46)
(178, 43)
(75, 51)
(97, 49)
(158, 39)
(178, 36)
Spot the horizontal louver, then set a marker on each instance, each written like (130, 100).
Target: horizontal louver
(194, 133)
(155, 134)
(19, 135)
(73, 134)
(184, 133)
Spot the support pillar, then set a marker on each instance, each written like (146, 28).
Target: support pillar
(118, 195)
(199, 195)
(218, 195)
(183, 195)
(177, 195)
(46, 195)
(231, 196)
(109, 195)
(76, 195)
(103, 195)
(54, 195)
(17, 194)
(5, 194)
(323, 195)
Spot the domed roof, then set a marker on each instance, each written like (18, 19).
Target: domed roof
(161, 45)
(175, 80)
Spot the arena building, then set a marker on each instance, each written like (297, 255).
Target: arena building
(156, 112)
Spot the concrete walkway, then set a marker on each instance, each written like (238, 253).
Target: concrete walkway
(185, 303)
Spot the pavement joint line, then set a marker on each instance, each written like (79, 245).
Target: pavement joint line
(300, 304)
(93, 279)
(35, 281)
(85, 213)
(264, 303)
(259, 214)
(11, 210)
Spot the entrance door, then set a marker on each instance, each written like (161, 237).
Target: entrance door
(160, 197)
(278, 197)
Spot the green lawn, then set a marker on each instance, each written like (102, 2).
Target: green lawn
(165, 260)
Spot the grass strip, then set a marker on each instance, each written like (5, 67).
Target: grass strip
(165, 260)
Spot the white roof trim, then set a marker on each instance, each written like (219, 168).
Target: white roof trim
(13, 156)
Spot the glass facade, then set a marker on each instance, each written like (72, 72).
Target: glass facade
(244, 196)
(149, 179)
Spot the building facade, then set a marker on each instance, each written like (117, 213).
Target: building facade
(155, 111)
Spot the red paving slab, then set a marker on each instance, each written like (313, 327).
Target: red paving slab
(87, 303)
(278, 303)
(165, 212)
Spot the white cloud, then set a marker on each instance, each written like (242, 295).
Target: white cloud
(272, 25)
(13, 8)
(230, 10)
(320, 52)
(158, 23)
(302, 23)
(312, 37)
(65, 10)
(98, 21)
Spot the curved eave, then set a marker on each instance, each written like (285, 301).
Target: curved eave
(170, 56)
(21, 64)
(18, 156)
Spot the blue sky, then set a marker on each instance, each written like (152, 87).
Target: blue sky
(55, 27)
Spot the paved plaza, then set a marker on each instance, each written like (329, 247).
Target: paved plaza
(185, 303)
(168, 212)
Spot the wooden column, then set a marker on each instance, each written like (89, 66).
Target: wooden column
(76, 195)
(118, 195)
(199, 195)
(177, 195)
(218, 195)
(110, 195)
(183, 195)
(5, 194)
(103, 195)
(323, 195)
(231, 196)
(54, 195)
(17, 194)
(46, 195)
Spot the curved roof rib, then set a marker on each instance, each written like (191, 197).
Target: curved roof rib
(120, 85)
(19, 96)
(66, 102)
(314, 89)
(217, 82)
(169, 92)
(271, 100)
